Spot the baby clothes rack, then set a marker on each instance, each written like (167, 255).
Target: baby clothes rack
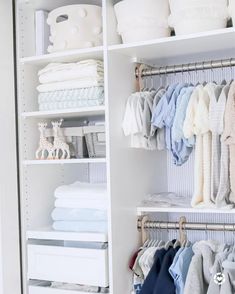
(144, 224)
(145, 71)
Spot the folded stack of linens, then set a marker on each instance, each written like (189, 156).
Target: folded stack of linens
(81, 207)
(71, 85)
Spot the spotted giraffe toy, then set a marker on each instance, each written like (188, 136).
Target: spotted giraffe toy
(59, 144)
(45, 147)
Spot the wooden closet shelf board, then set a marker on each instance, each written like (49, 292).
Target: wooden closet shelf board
(179, 45)
(65, 56)
(78, 112)
(49, 234)
(141, 210)
(64, 161)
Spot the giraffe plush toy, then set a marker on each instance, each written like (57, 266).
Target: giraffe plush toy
(59, 144)
(45, 147)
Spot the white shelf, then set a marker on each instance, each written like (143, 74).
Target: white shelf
(65, 56)
(77, 112)
(64, 161)
(179, 45)
(50, 234)
(143, 209)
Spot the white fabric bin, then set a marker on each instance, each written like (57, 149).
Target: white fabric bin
(198, 19)
(68, 265)
(144, 34)
(232, 10)
(177, 5)
(75, 27)
(185, 27)
(140, 20)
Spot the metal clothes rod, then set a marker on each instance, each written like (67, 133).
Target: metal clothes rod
(185, 67)
(186, 226)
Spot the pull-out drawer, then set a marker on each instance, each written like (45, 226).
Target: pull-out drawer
(69, 265)
(47, 290)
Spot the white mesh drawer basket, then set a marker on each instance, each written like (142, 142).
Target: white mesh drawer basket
(95, 140)
(76, 139)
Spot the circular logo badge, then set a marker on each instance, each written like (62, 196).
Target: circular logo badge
(219, 278)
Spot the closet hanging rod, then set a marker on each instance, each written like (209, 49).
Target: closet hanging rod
(158, 225)
(195, 66)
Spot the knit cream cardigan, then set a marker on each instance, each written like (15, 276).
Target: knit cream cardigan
(197, 123)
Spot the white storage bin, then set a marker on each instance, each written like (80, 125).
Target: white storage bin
(144, 34)
(75, 27)
(140, 20)
(40, 289)
(68, 265)
(185, 27)
(198, 19)
(232, 10)
(177, 5)
(95, 140)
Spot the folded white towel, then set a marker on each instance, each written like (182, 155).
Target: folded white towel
(71, 84)
(54, 67)
(59, 72)
(82, 190)
(82, 203)
(73, 214)
(89, 227)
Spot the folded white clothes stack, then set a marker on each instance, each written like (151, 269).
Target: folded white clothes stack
(81, 207)
(71, 85)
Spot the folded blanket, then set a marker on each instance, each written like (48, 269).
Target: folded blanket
(70, 104)
(94, 227)
(82, 190)
(73, 214)
(58, 72)
(82, 203)
(72, 95)
(71, 84)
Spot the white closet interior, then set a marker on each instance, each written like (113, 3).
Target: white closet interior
(130, 174)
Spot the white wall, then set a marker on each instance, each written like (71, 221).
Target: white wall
(9, 229)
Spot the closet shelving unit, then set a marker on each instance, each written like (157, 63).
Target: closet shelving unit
(130, 174)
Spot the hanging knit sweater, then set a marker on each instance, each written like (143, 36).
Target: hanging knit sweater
(197, 123)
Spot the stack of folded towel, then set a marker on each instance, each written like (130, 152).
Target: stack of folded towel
(71, 85)
(81, 207)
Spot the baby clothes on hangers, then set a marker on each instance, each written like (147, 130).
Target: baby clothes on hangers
(165, 283)
(160, 113)
(182, 147)
(228, 287)
(179, 268)
(198, 277)
(155, 132)
(150, 280)
(217, 268)
(220, 185)
(229, 138)
(197, 123)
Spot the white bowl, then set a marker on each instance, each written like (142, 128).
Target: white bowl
(185, 27)
(144, 34)
(177, 5)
